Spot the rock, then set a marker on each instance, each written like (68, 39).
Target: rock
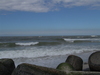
(76, 62)
(94, 61)
(82, 73)
(4, 70)
(8, 64)
(29, 69)
(65, 67)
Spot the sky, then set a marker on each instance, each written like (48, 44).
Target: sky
(49, 17)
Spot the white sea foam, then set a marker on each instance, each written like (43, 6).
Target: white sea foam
(72, 40)
(93, 35)
(27, 44)
(34, 52)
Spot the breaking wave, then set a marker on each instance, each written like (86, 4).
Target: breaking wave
(43, 51)
(81, 40)
(29, 44)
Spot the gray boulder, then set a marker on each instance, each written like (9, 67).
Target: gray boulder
(8, 64)
(29, 69)
(94, 61)
(75, 61)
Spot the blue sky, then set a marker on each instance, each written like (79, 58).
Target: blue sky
(49, 17)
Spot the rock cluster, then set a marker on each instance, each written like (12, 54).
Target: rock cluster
(72, 66)
(28, 69)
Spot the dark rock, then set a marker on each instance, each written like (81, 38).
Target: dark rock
(76, 62)
(28, 69)
(4, 70)
(65, 67)
(9, 64)
(94, 61)
(82, 73)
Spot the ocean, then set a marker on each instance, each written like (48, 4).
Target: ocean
(41, 50)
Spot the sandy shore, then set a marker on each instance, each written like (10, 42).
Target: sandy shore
(52, 61)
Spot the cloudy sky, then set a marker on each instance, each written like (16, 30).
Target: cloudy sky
(49, 17)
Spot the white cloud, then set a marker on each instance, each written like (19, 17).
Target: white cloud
(24, 5)
(44, 5)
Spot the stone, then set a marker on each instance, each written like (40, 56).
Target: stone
(30, 69)
(94, 61)
(8, 63)
(75, 61)
(4, 70)
(65, 67)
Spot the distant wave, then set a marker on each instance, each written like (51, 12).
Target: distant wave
(47, 43)
(38, 43)
(27, 44)
(93, 35)
(81, 40)
(17, 44)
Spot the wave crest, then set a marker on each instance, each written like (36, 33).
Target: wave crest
(81, 40)
(27, 44)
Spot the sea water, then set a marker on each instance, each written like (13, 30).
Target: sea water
(43, 47)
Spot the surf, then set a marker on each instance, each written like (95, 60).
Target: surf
(27, 44)
(81, 40)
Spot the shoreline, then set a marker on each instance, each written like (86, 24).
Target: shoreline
(52, 61)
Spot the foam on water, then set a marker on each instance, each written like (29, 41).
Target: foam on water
(93, 35)
(34, 52)
(27, 44)
(73, 40)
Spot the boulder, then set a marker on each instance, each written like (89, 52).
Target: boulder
(75, 61)
(65, 67)
(94, 61)
(4, 70)
(8, 64)
(30, 69)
